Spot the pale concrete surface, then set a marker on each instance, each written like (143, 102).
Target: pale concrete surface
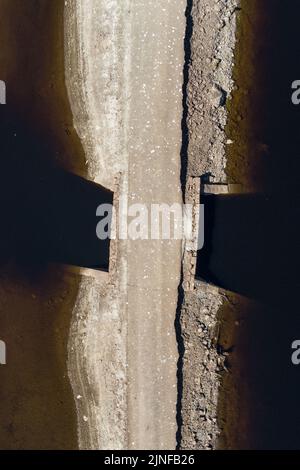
(154, 142)
(124, 71)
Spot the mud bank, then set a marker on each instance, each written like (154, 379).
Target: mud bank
(95, 45)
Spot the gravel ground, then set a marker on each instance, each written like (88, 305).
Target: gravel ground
(212, 25)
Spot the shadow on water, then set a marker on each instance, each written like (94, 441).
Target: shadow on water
(253, 245)
(43, 212)
(250, 244)
(48, 214)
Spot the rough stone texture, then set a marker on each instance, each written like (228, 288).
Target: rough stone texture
(210, 84)
(202, 364)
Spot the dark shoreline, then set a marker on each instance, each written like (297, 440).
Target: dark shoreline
(36, 302)
(258, 403)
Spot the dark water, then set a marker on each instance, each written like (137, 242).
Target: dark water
(47, 214)
(251, 244)
(253, 241)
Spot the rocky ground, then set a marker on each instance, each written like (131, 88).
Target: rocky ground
(212, 29)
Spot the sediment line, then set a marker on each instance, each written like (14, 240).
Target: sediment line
(183, 177)
(97, 360)
(184, 123)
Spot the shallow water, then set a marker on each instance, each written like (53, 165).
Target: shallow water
(37, 407)
(253, 245)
